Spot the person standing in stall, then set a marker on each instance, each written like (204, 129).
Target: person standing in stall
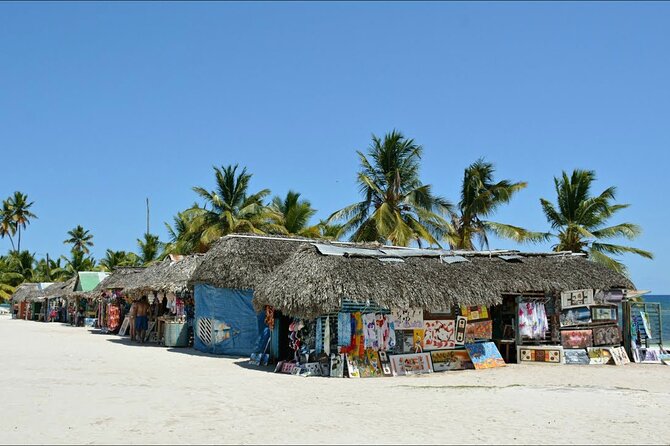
(132, 315)
(141, 320)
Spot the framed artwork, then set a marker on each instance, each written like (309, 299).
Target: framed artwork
(352, 368)
(412, 364)
(408, 319)
(648, 355)
(478, 330)
(485, 355)
(287, 367)
(439, 334)
(124, 326)
(336, 365)
(473, 313)
(370, 366)
(461, 324)
(608, 335)
(575, 316)
(451, 360)
(576, 356)
(599, 355)
(551, 354)
(417, 340)
(576, 338)
(604, 313)
(385, 363)
(619, 355)
(576, 298)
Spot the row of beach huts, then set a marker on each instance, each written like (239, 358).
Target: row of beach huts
(324, 308)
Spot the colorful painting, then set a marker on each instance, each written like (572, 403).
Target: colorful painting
(285, 367)
(417, 340)
(608, 335)
(475, 312)
(576, 298)
(385, 363)
(336, 365)
(599, 355)
(576, 356)
(411, 364)
(439, 334)
(485, 355)
(352, 368)
(647, 355)
(576, 316)
(551, 354)
(619, 355)
(461, 325)
(576, 338)
(451, 360)
(605, 313)
(408, 319)
(369, 367)
(478, 330)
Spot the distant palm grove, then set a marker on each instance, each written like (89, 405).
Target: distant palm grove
(395, 207)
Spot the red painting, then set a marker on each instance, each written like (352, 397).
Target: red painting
(479, 330)
(576, 338)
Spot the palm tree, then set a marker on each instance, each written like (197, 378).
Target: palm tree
(293, 214)
(581, 220)
(149, 248)
(396, 206)
(80, 239)
(50, 271)
(22, 263)
(229, 208)
(78, 262)
(8, 279)
(480, 197)
(7, 224)
(21, 214)
(114, 259)
(329, 231)
(185, 233)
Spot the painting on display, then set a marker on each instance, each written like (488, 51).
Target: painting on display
(576, 338)
(599, 355)
(647, 355)
(619, 355)
(411, 364)
(309, 369)
(369, 367)
(485, 355)
(576, 356)
(575, 316)
(417, 340)
(124, 326)
(439, 334)
(604, 313)
(385, 363)
(352, 368)
(473, 313)
(608, 335)
(576, 298)
(478, 330)
(285, 367)
(461, 325)
(336, 365)
(551, 354)
(444, 360)
(408, 319)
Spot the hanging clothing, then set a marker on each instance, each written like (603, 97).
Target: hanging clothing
(326, 337)
(533, 320)
(319, 336)
(370, 331)
(344, 329)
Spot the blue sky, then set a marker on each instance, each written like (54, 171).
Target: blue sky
(105, 104)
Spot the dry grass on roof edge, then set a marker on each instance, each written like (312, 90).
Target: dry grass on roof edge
(309, 284)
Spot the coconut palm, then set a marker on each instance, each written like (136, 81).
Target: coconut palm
(185, 233)
(21, 213)
(7, 224)
(150, 246)
(582, 220)
(230, 208)
(50, 271)
(293, 215)
(480, 198)
(22, 263)
(80, 239)
(396, 206)
(78, 261)
(329, 231)
(115, 259)
(9, 279)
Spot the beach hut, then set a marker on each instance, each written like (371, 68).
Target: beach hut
(225, 320)
(19, 299)
(442, 298)
(109, 302)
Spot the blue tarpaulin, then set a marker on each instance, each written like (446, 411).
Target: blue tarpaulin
(225, 321)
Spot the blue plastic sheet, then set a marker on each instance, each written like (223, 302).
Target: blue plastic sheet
(225, 321)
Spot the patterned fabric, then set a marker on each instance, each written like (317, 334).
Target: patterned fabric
(533, 320)
(319, 336)
(370, 337)
(344, 329)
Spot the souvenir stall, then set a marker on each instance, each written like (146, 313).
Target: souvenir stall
(109, 314)
(642, 329)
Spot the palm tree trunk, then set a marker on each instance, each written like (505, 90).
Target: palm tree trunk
(11, 240)
(19, 246)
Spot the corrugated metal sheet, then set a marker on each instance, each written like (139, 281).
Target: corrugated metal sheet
(453, 259)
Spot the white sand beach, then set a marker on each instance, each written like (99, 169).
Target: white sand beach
(62, 385)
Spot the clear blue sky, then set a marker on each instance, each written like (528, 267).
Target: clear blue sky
(104, 104)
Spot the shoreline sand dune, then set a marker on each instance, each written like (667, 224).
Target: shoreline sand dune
(62, 384)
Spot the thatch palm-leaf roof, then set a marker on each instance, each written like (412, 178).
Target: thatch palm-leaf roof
(24, 291)
(60, 289)
(310, 283)
(167, 276)
(122, 277)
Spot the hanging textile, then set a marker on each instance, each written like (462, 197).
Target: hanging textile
(533, 320)
(326, 337)
(319, 336)
(370, 331)
(358, 343)
(344, 329)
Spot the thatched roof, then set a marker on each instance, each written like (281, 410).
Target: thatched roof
(242, 261)
(60, 289)
(167, 276)
(122, 277)
(311, 283)
(24, 291)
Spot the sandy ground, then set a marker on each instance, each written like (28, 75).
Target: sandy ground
(62, 384)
